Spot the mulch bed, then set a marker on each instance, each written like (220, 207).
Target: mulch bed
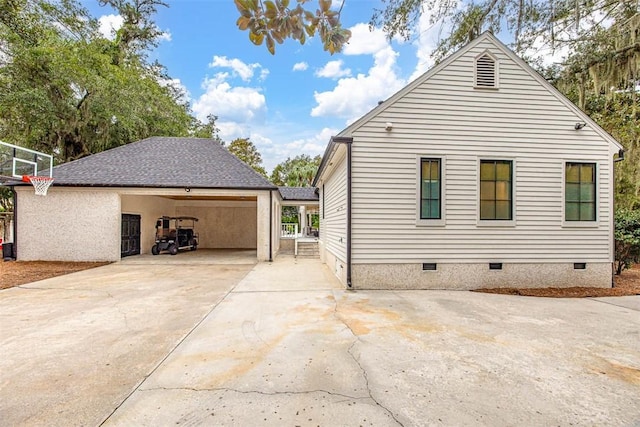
(15, 273)
(628, 283)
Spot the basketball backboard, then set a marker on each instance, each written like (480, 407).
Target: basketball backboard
(17, 162)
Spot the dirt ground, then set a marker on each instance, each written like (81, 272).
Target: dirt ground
(14, 273)
(628, 283)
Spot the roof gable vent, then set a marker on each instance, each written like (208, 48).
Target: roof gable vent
(486, 71)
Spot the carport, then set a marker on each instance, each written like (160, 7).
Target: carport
(106, 205)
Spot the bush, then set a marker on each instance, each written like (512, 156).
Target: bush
(627, 235)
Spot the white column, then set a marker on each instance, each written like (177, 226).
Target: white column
(263, 226)
(303, 219)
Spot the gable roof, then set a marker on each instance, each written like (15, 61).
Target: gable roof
(486, 36)
(162, 162)
(299, 193)
(463, 50)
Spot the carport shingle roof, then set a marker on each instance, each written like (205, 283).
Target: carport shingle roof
(299, 193)
(162, 162)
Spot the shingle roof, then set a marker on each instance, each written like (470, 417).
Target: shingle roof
(162, 162)
(298, 193)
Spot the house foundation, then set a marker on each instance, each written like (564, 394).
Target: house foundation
(476, 276)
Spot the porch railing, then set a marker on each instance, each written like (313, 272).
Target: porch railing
(289, 231)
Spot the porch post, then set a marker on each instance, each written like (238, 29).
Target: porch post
(303, 219)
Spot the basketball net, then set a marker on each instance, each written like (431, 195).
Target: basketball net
(40, 183)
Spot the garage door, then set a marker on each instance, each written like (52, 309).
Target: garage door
(130, 244)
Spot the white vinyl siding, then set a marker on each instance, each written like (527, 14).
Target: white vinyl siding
(446, 114)
(333, 225)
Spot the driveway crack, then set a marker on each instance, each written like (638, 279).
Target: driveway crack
(357, 361)
(263, 393)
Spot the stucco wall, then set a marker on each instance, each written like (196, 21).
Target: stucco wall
(150, 208)
(68, 224)
(475, 276)
(287, 246)
(222, 225)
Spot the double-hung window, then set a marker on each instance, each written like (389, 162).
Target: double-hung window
(496, 190)
(430, 188)
(580, 192)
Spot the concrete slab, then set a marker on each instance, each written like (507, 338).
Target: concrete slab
(288, 346)
(288, 273)
(73, 347)
(630, 302)
(335, 357)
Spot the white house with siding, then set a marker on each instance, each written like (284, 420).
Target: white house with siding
(477, 174)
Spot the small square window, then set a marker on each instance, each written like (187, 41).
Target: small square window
(579, 265)
(495, 266)
(429, 266)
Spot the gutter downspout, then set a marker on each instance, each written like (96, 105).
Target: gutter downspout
(15, 224)
(270, 226)
(613, 209)
(348, 142)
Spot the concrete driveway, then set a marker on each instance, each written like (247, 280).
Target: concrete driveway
(284, 345)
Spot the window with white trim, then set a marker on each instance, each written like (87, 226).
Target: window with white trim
(430, 188)
(580, 192)
(496, 190)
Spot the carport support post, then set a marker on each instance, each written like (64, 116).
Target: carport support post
(265, 227)
(270, 226)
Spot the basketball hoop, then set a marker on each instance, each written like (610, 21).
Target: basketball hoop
(40, 183)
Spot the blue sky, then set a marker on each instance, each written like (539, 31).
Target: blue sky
(289, 103)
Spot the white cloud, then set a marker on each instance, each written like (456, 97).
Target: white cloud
(333, 70)
(238, 104)
(354, 96)
(365, 42)
(183, 93)
(425, 44)
(165, 36)
(300, 66)
(109, 25)
(312, 146)
(241, 69)
(272, 153)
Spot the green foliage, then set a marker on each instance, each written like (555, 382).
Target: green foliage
(627, 235)
(554, 24)
(6, 199)
(289, 215)
(619, 115)
(72, 93)
(296, 172)
(206, 130)
(246, 151)
(272, 22)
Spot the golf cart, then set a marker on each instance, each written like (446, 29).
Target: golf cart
(175, 233)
